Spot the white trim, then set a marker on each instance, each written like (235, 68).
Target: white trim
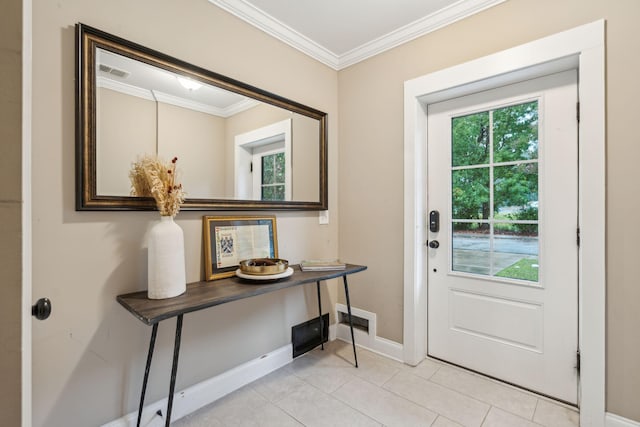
(587, 44)
(157, 96)
(189, 104)
(208, 391)
(613, 420)
(382, 346)
(27, 88)
(125, 88)
(270, 25)
(418, 28)
(239, 107)
(371, 341)
(243, 178)
(265, 22)
(363, 314)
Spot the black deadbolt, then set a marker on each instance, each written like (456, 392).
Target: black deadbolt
(434, 221)
(434, 244)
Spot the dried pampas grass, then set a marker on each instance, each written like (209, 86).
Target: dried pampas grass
(153, 177)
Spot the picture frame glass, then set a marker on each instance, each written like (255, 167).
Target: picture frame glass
(229, 240)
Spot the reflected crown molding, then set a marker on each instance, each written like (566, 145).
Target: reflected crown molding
(154, 95)
(272, 26)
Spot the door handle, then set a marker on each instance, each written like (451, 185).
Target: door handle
(434, 244)
(41, 310)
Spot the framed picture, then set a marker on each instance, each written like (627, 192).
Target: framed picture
(229, 240)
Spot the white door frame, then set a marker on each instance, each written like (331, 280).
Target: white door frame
(244, 143)
(27, 62)
(582, 48)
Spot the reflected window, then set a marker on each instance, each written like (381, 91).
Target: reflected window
(263, 164)
(273, 177)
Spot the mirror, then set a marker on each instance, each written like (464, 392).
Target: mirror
(238, 147)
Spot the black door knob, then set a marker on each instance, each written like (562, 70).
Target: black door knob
(434, 244)
(41, 310)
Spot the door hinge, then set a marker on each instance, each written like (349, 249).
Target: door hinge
(578, 236)
(578, 111)
(578, 361)
(251, 167)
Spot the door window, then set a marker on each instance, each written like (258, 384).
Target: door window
(494, 192)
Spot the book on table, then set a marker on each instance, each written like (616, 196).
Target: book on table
(322, 265)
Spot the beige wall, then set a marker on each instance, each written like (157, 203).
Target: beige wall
(126, 128)
(130, 126)
(197, 139)
(371, 157)
(305, 159)
(89, 356)
(92, 351)
(10, 209)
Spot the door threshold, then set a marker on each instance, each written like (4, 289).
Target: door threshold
(552, 399)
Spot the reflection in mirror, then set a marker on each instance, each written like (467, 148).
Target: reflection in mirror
(238, 147)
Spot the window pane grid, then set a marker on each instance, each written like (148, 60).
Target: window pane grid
(494, 183)
(273, 177)
(513, 163)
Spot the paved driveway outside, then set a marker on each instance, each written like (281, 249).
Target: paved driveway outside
(471, 252)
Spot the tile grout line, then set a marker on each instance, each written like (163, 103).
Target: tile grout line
(411, 401)
(329, 395)
(533, 417)
(485, 416)
(489, 403)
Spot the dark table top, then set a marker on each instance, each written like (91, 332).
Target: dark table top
(201, 295)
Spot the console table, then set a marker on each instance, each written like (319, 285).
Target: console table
(201, 295)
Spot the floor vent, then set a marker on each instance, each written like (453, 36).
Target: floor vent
(358, 322)
(306, 336)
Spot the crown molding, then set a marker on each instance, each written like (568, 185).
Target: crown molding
(125, 88)
(265, 22)
(189, 104)
(259, 19)
(447, 16)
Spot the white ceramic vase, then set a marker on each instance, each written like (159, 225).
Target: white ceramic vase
(167, 277)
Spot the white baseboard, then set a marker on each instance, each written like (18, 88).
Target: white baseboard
(612, 420)
(368, 340)
(208, 391)
(199, 395)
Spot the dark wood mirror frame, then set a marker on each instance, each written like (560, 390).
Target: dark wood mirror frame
(89, 39)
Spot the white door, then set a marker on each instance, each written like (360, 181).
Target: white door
(502, 283)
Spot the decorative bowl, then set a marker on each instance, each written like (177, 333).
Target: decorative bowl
(263, 266)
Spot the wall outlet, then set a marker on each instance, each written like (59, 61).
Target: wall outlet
(323, 217)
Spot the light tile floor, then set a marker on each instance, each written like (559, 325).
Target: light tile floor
(323, 388)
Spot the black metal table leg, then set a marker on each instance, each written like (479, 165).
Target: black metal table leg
(321, 321)
(174, 368)
(152, 343)
(353, 341)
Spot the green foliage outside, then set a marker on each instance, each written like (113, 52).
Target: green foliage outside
(525, 269)
(273, 181)
(515, 138)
